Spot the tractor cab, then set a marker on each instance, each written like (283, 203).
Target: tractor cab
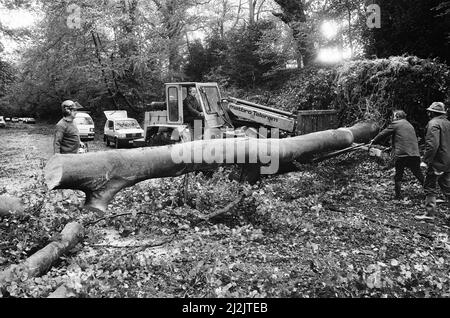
(167, 124)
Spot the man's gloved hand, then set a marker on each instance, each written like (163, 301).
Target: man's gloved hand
(423, 165)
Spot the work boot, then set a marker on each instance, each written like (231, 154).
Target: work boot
(398, 191)
(430, 207)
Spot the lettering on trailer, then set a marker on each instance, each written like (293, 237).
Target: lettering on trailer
(262, 117)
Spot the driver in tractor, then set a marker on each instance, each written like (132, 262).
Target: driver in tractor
(192, 111)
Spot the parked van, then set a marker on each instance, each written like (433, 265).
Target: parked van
(121, 130)
(85, 126)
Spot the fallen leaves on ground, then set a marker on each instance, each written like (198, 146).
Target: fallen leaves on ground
(328, 230)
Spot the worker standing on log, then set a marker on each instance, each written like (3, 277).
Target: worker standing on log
(192, 111)
(67, 137)
(436, 158)
(406, 149)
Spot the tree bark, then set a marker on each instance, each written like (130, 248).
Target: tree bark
(41, 261)
(251, 11)
(101, 175)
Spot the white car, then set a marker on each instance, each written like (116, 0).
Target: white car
(85, 126)
(2, 122)
(29, 120)
(121, 130)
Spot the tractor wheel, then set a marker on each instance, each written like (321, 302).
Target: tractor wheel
(107, 141)
(116, 143)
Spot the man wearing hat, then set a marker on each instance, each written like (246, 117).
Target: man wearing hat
(436, 158)
(67, 136)
(406, 148)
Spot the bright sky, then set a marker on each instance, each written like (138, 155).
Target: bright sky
(329, 29)
(332, 55)
(14, 19)
(17, 18)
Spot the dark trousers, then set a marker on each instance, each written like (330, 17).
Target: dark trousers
(412, 163)
(431, 190)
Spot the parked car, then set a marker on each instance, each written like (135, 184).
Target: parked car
(15, 120)
(7, 119)
(121, 130)
(2, 122)
(29, 120)
(85, 126)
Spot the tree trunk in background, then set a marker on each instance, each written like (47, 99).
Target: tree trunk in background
(173, 16)
(101, 175)
(251, 11)
(237, 16)
(96, 40)
(293, 14)
(350, 34)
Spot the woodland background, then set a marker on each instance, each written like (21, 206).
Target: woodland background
(123, 52)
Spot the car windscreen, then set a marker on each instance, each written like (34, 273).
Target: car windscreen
(84, 121)
(127, 124)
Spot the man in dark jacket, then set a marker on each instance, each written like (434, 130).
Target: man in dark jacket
(406, 148)
(67, 138)
(192, 111)
(436, 158)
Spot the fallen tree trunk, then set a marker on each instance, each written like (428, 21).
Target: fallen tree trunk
(10, 205)
(101, 175)
(41, 261)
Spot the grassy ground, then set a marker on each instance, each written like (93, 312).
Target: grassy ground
(328, 230)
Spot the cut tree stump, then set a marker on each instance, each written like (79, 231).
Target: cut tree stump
(41, 261)
(62, 292)
(101, 175)
(10, 205)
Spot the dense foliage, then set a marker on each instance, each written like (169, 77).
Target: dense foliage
(246, 64)
(6, 77)
(121, 52)
(369, 89)
(413, 27)
(374, 88)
